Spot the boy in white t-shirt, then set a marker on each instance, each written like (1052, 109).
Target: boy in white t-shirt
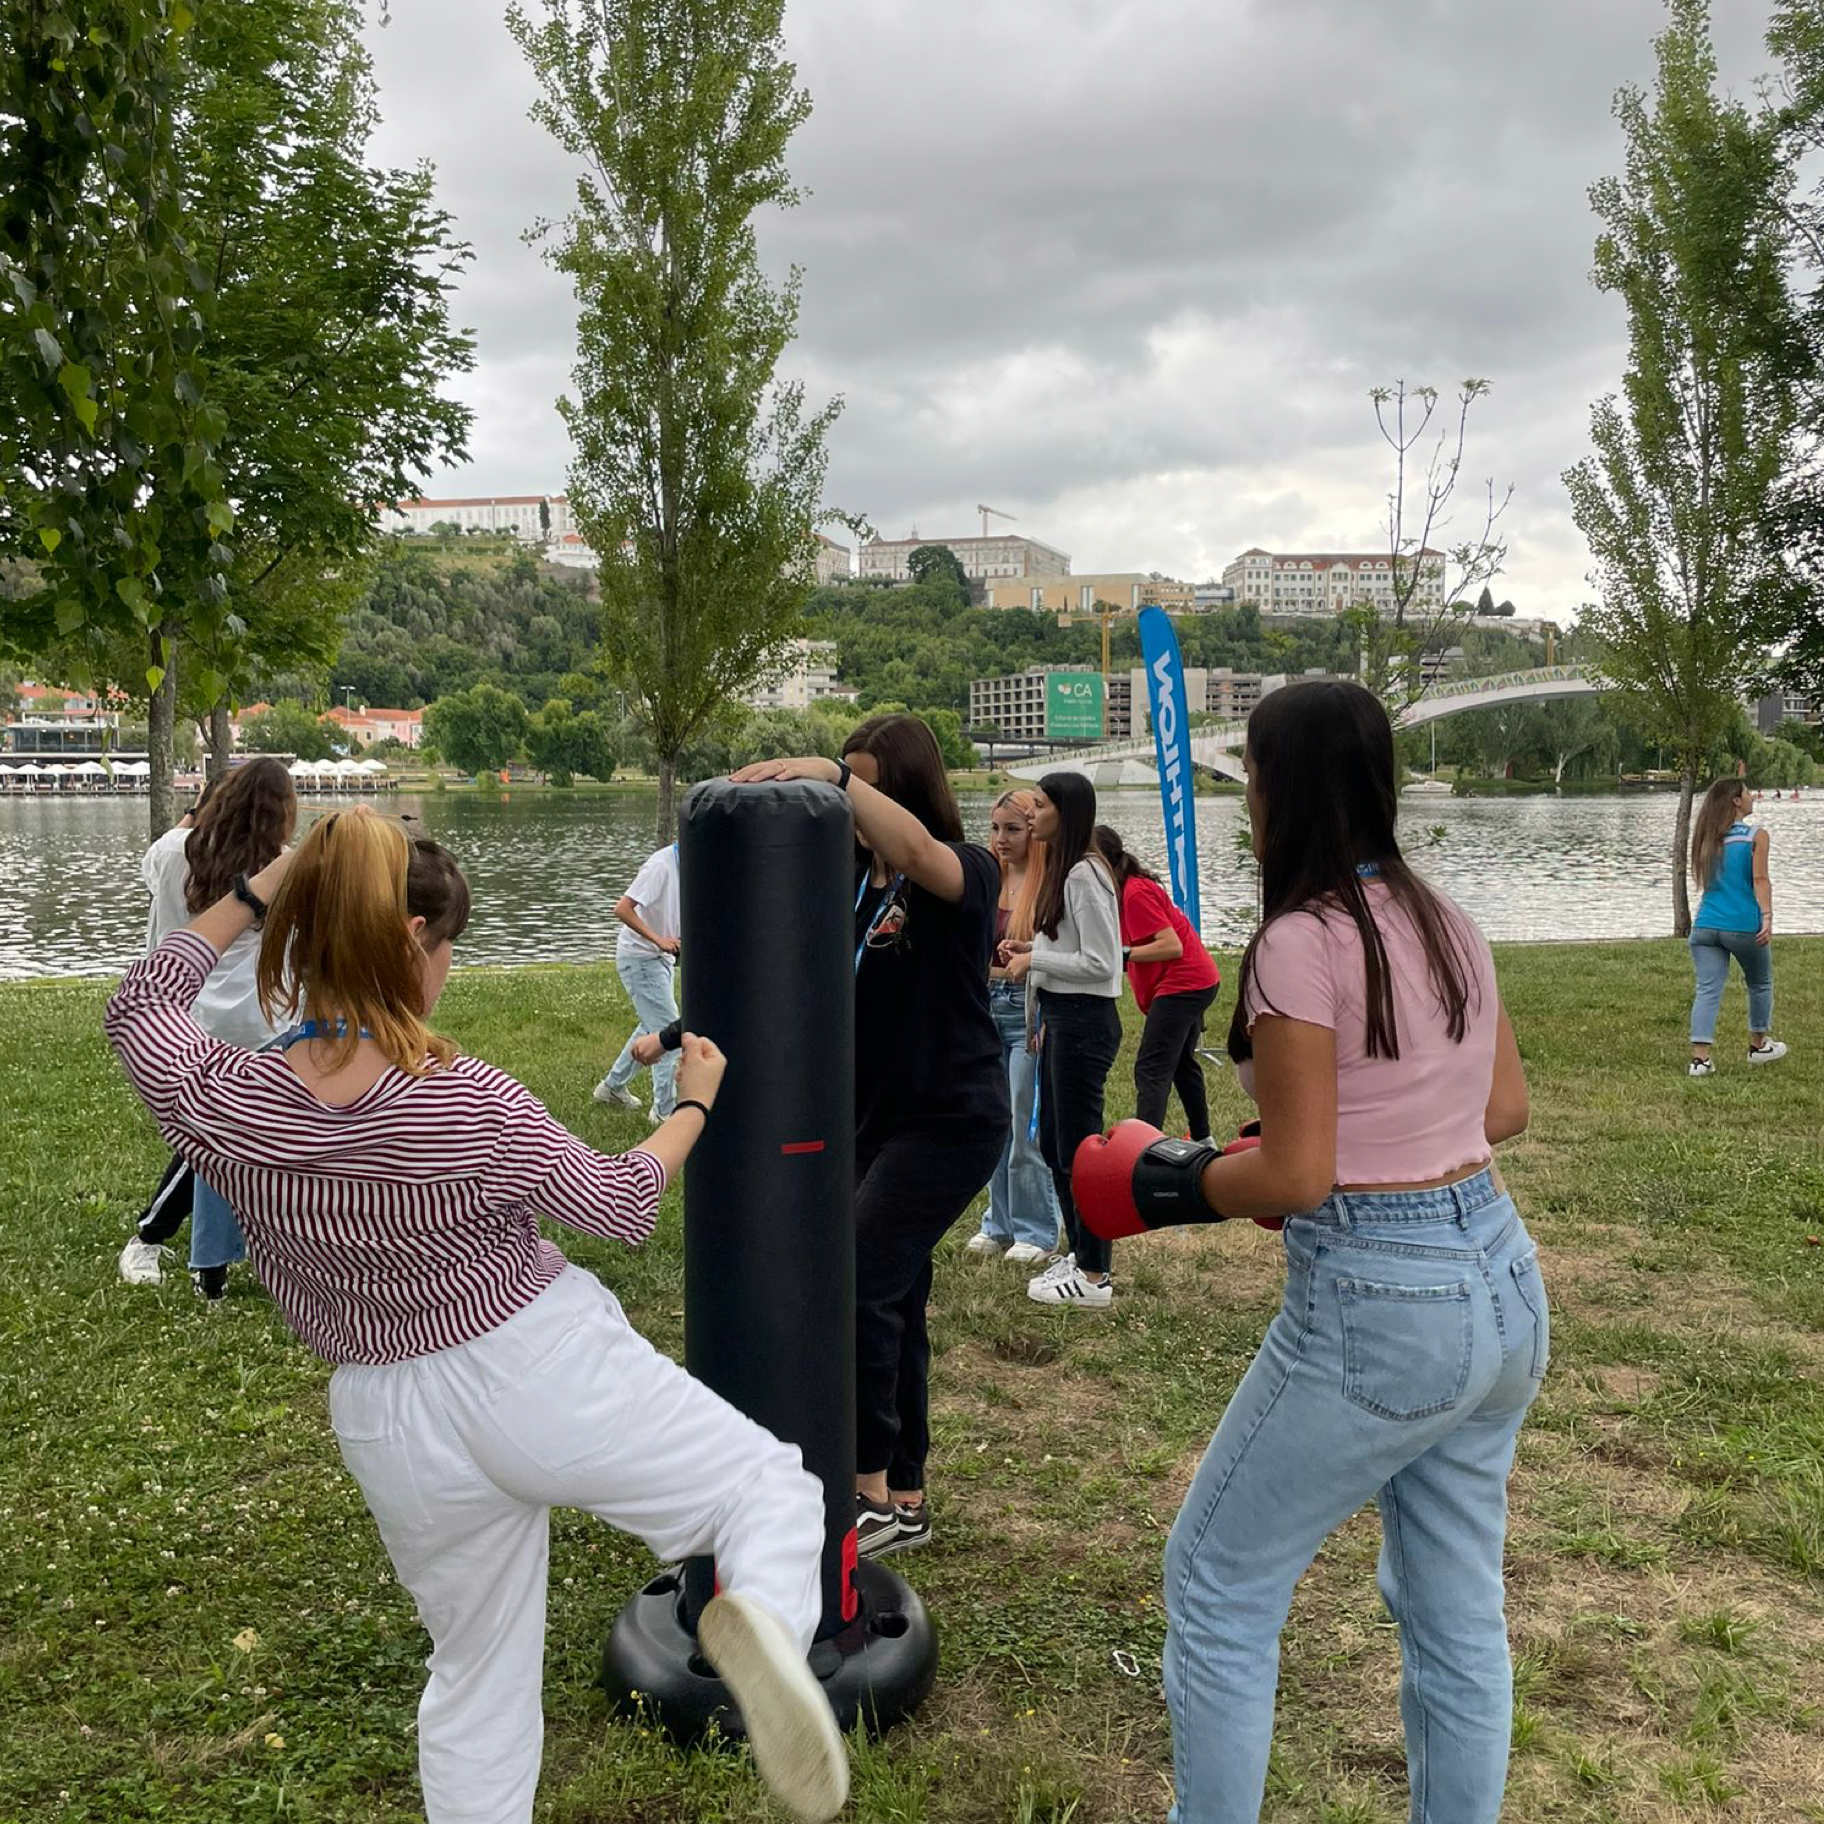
(645, 956)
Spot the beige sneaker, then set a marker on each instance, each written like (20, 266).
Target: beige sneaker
(790, 1727)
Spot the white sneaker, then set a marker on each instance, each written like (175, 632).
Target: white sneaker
(1023, 1254)
(1701, 1067)
(1056, 1266)
(1074, 1288)
(139, 1262)
(621, 1098)
(790, 1727)
(1770, 1053)
(981, 1242)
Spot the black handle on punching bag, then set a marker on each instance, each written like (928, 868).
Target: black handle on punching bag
(767, 880)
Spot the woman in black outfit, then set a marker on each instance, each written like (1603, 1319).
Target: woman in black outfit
(931, 1105)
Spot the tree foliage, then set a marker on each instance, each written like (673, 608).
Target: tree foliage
(477, 730)
(289, 728)
(698, 476)
(1676, 498)
(939, 564)
(562, 742)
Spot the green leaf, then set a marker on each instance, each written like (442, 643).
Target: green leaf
(88, 411)
(49, 537)
(49, 348)
(155, 676)
(131, 591)
(69, 617)
(181, 19)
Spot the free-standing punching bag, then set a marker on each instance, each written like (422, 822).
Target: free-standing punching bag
(767, 878)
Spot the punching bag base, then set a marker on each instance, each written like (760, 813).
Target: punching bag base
(878, 1670)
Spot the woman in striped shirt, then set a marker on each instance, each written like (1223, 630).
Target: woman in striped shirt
(390, 1190)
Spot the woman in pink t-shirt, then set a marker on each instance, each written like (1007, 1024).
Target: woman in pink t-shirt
(1413, 1334)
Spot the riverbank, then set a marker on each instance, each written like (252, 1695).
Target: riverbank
(201, 1624)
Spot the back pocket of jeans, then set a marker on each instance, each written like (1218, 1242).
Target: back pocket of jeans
(1530, 1284)
(1406, 1349)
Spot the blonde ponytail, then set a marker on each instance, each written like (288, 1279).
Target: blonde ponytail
(336, 944)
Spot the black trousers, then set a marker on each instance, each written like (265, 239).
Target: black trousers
(170, 1205)
(909, 1189)
(1082, 1036)
(1167, 1059)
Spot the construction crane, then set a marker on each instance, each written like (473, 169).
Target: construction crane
(1104, 612)
(985, 511)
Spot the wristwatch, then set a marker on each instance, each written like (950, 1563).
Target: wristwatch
(844, 774)
(250, 899)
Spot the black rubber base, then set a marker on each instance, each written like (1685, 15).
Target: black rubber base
(879, 1669)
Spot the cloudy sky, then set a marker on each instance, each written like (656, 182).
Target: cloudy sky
(1125, 269)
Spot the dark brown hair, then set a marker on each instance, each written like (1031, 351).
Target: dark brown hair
(911, 771)
(1074, 799)
(240, 827)
(1126, 864)
(436, 891)
(1322, 758)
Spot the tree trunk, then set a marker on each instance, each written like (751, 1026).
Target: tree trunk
(221, 739)
(668, 793)
(1681, 848)
(161, 731)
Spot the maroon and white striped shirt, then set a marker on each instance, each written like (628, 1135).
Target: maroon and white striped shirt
(403, 1223)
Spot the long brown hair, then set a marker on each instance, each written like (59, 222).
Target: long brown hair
(911, 771)
(1020, 915)
(1322, 758)
(1708, 828)
(1074, 798)
(240, 826)
(337, 943)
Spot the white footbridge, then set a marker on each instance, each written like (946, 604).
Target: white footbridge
(1216, 747)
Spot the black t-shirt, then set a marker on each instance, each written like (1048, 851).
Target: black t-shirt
(926, 1047)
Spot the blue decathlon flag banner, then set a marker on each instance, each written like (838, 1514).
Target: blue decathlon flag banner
(1172, 744)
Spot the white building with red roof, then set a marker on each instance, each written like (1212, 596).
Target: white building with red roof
(1319, 584)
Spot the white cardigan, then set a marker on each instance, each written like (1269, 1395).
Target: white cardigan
(1085, 956)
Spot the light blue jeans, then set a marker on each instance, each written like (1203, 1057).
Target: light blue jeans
(1022, 1203)
(1710, 954)
(215, 1235)
(1412, 1339)
(647, 980)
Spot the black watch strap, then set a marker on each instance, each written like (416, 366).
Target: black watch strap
(844, 773)
(250, 899)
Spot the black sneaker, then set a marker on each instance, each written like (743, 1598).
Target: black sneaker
(914, 1519)
(876, 1527)
(211, 1283)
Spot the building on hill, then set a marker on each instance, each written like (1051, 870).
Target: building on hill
(516, 515)
(1076, 703)
(365, 726)
(835, 563)
(806, 675)
(1129, 590)
(982, 559)
(1316, 585)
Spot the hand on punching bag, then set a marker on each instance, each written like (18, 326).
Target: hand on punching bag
(1134, 1179)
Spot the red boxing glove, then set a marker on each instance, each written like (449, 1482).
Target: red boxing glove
(1133, 1180)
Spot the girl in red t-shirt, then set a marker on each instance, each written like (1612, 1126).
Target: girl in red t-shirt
(1175, 983)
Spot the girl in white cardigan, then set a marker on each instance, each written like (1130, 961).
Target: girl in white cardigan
(1075, 980)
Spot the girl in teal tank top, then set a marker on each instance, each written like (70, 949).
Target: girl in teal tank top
(1734, 919)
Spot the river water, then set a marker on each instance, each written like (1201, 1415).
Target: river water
(546, 868)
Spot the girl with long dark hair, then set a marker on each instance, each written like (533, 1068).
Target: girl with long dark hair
(1075, 978)
(1734, 919)
(1174, 980)
(1414, 1332)
(931, 1106)
(391, 1189)
(243, 820)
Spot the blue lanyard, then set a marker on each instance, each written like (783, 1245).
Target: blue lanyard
(1367, 870)
(880, 911)
(318, 1029)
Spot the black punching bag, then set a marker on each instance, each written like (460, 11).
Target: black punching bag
(767, 878)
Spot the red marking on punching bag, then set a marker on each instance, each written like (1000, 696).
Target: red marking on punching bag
(802, 1146)
(851, 1603)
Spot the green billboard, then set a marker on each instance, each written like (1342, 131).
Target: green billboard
(1073, 706)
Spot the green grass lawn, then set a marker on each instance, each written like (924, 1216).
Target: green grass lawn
(199, 1621)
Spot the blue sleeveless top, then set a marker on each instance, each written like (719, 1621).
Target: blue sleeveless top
(1729, 904)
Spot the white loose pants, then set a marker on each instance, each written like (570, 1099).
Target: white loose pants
(463, 1454)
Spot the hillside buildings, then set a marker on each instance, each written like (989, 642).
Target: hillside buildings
(983, 559)
(1314, 585)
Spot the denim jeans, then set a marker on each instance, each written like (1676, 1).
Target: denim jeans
(1022, 1200)
(1412, 1339)
(215, 1235)
(1710, 954)
(647, 980)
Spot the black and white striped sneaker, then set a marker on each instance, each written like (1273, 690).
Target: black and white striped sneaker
(1075, 1289)
(876, 1528)
(914, 1519)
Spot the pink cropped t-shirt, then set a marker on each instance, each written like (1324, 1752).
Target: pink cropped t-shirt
(1401, 1120)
